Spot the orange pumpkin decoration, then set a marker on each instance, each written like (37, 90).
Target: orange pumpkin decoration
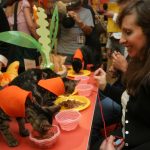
(10, 74)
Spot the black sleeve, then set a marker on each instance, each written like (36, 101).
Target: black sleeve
(142, 147)
(114, 92)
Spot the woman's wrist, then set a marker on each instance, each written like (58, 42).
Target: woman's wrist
(102, 87)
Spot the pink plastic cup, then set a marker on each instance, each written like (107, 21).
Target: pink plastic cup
(68, 119)
(82, 79)
(84, 89)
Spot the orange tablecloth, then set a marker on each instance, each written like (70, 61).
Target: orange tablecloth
(73, 140)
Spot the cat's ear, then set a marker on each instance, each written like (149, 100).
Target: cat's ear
(44, 75)
(62, 59)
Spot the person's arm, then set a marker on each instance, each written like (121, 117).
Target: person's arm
(114, 92)
(30, 23)
(83, 26)
(111, 91)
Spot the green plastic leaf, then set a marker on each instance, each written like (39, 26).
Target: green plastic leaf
(24, 40)
(54, 26)
(44, 39)
(20, 39)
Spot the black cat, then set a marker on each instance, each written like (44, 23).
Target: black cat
(29, 79)
(90, 56)
(39, 117)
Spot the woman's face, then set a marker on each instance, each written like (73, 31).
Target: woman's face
(132, 36)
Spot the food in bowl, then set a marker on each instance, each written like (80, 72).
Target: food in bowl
(46, 140)
(71, 103)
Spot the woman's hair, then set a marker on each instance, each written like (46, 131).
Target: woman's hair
(138, 67)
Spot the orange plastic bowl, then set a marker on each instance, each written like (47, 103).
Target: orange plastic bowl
(84, 89)
(68, 119)
(48, 142)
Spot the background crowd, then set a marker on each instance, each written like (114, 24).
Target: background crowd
(127, 32)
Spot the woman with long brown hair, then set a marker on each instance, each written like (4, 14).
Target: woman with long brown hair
(134, 21)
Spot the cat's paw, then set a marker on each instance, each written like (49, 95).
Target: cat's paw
(24, 133)
(12, 142)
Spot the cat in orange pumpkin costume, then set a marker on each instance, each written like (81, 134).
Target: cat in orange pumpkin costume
(48, 89)
(19, 103)
(84, 56)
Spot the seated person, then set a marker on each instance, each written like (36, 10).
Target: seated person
(111, 110)
(134, 100)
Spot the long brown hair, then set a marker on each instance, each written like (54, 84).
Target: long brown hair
(140, 66)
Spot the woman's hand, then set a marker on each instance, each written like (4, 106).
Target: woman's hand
(119, 62)
(100, 76)
(108, 144)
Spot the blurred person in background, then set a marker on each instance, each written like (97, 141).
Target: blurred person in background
(20, 17)
(74, 26)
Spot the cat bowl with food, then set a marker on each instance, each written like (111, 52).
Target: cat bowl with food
(47, 140)
(82, 79)
(68, 119)
(84, 89)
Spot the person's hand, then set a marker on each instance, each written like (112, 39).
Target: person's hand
(61, 7)
(119, 62)
(100, 76)
(108, 144)
(74, 15)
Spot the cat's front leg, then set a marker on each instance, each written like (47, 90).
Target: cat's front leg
(21, 124)
(7, 135)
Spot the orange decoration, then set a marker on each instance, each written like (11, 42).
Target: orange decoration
(54, 85)
(35, 13)
(78, 54)
(12, 101)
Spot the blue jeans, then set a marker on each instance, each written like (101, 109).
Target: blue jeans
(111, 112)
